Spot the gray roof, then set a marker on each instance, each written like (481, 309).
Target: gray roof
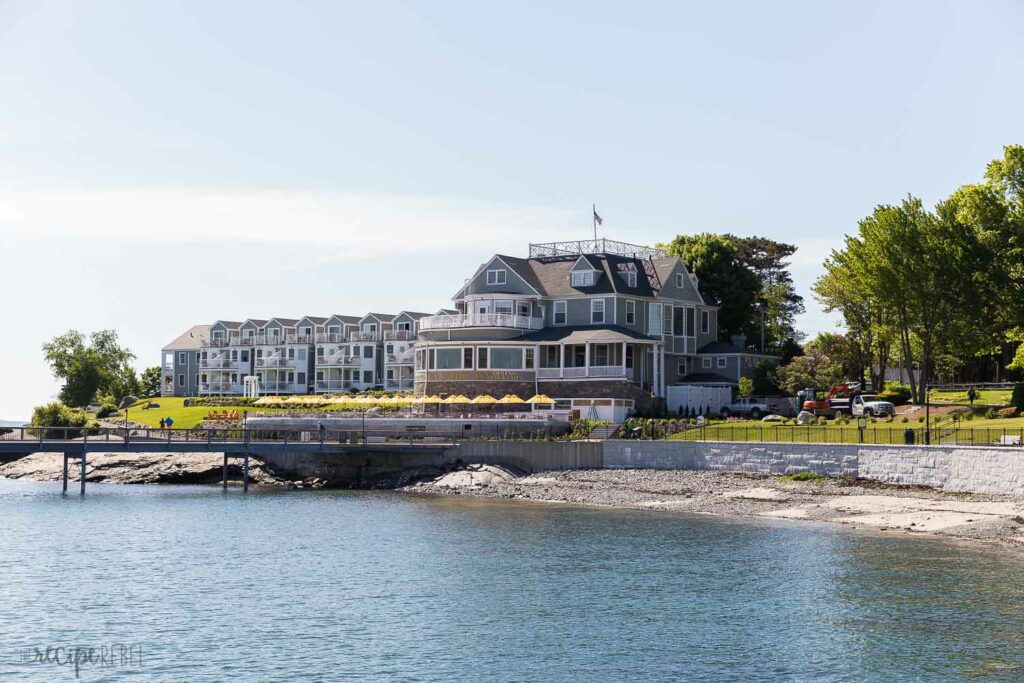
(721, 347)
(579, 334)
(315, 319)
(550, 275)
(347, 319)
(258, 322)
(230, 324)
(383, 317)
(287, 322)
(192, 338)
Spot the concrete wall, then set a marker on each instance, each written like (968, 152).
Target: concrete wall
(533, 457)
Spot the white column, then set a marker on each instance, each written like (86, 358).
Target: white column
(623, 359)
(561, 360)
(586, 359)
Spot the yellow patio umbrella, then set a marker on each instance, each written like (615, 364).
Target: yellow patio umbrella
(294, 400)
(431, 399)
(456, 398)
(541, 398)
(266, 401)
(485, 398)
(510, 398)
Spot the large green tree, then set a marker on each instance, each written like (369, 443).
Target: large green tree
(725, 280)
(770, 262)
(90, 366)
(149, 382)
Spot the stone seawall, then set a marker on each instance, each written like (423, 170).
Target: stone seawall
(974, 469)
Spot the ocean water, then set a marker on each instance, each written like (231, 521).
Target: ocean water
(188, 583)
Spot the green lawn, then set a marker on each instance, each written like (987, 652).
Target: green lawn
(186, 418)
(972, 431)
(986, 397)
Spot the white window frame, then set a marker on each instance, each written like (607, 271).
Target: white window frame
(522, 356)
(705, 322)
(705, 362)
(681, 367)
(502, 302)
(585, 278)
(723, 362)
(596, 304)
(565, 312)
(630, 312)
(680, 282)
(181, 379)
(182, 358)
(497, 276)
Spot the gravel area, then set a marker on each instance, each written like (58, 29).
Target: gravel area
(855, 503)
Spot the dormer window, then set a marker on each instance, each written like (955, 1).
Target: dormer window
(583, 278)
(496, 277)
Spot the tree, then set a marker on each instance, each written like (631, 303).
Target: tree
(769, 260)
(725, 280)
(839, 349)
(813, 370)
(90, 368)
(149, 382)
(746, 387)
(56, 414)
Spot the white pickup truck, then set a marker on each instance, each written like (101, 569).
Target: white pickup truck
(752, 407)
(869, 405)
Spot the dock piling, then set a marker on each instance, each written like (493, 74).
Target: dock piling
(65, 475)
(224, 473)
(245, 474)
(82, 493)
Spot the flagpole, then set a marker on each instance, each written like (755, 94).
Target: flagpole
(594, 219)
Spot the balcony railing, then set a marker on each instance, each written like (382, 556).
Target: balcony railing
(220, 388)
(299, 338)
(407, 358)
(337, 361)
(399, 384)
(330, 337)
(583, 372)
(282, 387)
(274, 362)
(216, 363)
(363, 335)
(507, 320)
(333, 385)
(399, 335)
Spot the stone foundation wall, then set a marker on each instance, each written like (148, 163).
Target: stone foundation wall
(974, 469)
(598, 389)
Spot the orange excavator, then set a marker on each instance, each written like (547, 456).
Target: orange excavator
(833, 403)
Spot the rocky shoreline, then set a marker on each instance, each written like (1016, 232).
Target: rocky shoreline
(859, 504)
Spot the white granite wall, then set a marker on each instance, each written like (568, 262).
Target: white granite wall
(951, 468)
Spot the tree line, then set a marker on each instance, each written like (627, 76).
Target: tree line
(97, 369)
(934, 290)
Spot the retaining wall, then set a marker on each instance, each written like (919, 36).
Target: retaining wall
(976, 469)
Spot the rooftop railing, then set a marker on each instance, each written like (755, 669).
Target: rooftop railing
(464, 320)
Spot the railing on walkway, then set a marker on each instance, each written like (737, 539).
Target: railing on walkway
(447, 322)
(940, 433)
(237, 437)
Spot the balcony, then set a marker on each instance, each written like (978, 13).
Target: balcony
(602, 371)
(403, 384)
(220, 388)
(216, 363)
(330, 337)
(333, 385)
(399, 335)
(337, 361)
(299, 339)
(463, 320)
(364, 335)
(282, 388)
(407, 358)
(274, 362)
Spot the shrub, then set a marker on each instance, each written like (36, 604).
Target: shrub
(991, 413)
(56, 414)
(823, 420)
(904, 419)
(106, 410)
(895, 393)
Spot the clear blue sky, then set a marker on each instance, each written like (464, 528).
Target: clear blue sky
(166, 163)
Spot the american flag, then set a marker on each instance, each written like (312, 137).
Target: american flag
(597, 219)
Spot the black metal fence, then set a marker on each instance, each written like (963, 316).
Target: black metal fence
(894, 434)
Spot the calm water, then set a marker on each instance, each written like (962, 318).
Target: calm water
(304, 586)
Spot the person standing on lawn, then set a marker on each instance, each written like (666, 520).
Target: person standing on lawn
(971, 395)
